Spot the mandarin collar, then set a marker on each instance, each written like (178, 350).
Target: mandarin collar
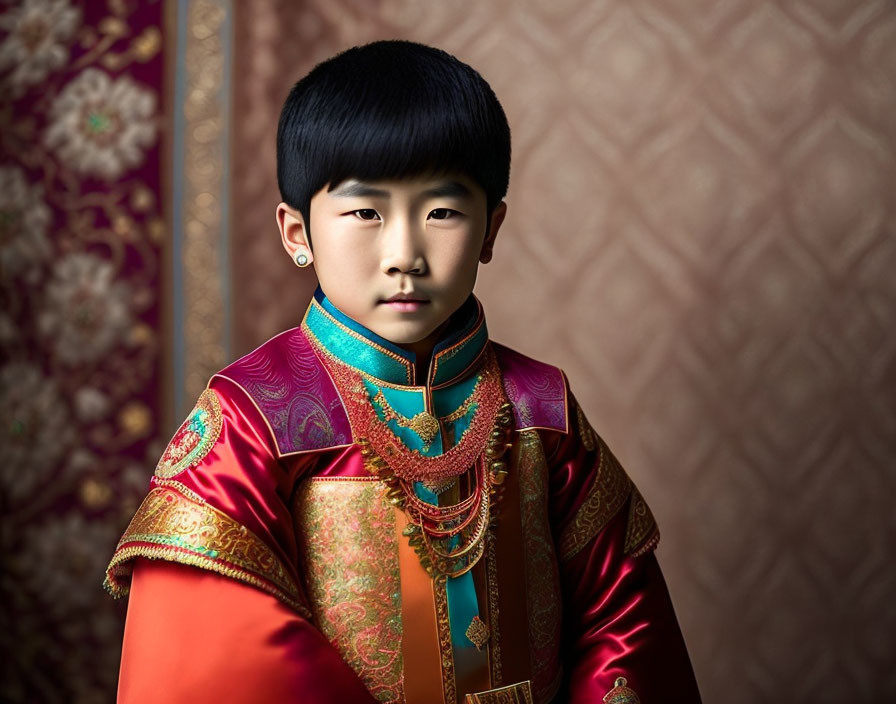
(454, 355)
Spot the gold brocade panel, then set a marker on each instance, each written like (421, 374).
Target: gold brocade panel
(175, 524)
(349, 554)
(542, 579)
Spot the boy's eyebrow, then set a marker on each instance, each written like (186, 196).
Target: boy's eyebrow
(357, 189)
(448, 189)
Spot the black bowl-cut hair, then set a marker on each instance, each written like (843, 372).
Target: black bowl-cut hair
(390, 109)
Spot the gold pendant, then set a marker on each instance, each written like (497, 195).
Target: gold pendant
(426, 426)
(439, 487)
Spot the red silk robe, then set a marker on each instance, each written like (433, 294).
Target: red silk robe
(268, 564)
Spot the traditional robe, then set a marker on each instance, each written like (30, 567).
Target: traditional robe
(273, 559)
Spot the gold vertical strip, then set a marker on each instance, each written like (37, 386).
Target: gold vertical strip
(205, 147)
(443, 622)
(494, 622)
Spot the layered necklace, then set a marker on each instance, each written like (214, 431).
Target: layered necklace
(449, 540)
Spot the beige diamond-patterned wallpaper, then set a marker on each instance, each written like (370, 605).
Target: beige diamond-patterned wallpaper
(702, 234)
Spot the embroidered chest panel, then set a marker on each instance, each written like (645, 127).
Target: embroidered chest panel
(349, 555)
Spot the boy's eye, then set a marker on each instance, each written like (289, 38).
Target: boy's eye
(366, 214)
(442, 213)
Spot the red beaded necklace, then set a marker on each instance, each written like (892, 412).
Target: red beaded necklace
(448, 539)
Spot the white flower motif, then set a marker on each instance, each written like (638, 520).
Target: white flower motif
(91, 404)
(100, 126)
(36, 430)
(38, 32)
(24, 220)
(86, 311)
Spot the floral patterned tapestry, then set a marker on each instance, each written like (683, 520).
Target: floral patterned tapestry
(82, 230)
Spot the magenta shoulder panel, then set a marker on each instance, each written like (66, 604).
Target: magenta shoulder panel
(536, 390)
(292, 389)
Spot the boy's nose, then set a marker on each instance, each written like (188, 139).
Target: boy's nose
(401, 250)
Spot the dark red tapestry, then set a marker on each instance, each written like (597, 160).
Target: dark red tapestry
(82, 233)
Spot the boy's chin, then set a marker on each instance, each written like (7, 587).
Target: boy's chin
(406, 333)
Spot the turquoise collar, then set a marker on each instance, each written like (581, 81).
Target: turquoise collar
(454, 355)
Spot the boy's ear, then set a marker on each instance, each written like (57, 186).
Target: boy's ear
(293, 232)
(498, 215)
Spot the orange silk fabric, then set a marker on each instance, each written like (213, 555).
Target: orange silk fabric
(196, 636)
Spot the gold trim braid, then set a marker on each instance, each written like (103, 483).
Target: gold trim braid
(606, 497)
(171, 525)
(608, 494)
(642, 534)
(491, 571)
(443, 624)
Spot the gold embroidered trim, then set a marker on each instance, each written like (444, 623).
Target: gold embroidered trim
(606, 497)
(621, 694)
(459, 413)
(443, 626)
(491, 572)
(179, 486)
(586, 432)
(176, 527)
(520, 693)
(194, 438)
(641, 534)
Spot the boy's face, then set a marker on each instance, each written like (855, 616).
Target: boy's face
(418, 238)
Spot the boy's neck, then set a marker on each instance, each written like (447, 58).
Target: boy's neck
(422, 350)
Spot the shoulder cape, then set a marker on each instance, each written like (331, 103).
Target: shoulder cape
(294, 393)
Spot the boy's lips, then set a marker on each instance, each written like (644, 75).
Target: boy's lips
(407, 298)
(406, 302)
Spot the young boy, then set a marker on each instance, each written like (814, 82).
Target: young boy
(383, 504)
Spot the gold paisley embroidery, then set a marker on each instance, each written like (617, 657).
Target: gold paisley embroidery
(346, 533)
(606, 497)
(171, 526)
(195, 437)
(641, 534)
